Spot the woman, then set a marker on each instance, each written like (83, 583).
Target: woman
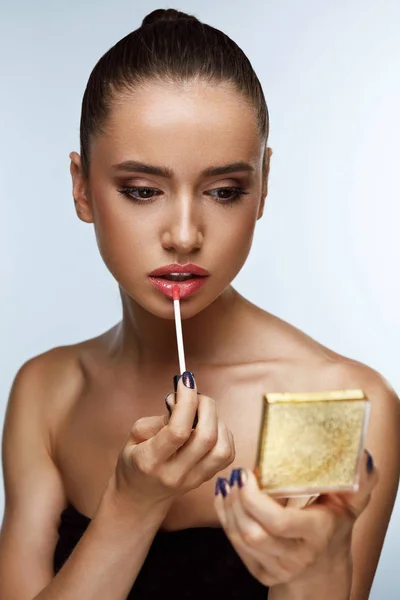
(173, 173)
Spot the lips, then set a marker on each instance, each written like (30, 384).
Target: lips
(189, 278)
(189, 268)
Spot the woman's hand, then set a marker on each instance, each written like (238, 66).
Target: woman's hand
(282, 544)
(164, 456)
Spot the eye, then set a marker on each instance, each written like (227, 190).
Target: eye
(141, 194)
(144, 194)
(227, 195)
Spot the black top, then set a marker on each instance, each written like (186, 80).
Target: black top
(196, 563)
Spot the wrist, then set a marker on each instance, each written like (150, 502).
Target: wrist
(127, 509)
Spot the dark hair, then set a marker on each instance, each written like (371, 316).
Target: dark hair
(170, 45)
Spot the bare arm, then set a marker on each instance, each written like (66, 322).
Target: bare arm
(107, 559)
(34, 495)
(383, 442)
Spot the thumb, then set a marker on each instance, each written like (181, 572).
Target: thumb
(147, 427)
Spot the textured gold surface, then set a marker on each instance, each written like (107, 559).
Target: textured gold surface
(311, 443)
(315, 396)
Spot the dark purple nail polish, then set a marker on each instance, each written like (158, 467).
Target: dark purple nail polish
(176, 381)
(188, 379)
(223, 486)
(167, 405)
(217, 487)
(235, 477)
(370, 462)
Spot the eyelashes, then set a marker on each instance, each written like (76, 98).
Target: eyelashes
(149, 194)
(128, 191)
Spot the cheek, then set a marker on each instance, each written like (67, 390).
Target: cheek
(122, 238)
(233, 239)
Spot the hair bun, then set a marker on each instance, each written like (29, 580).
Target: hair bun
(168, 14)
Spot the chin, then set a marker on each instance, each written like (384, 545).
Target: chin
(162, 307)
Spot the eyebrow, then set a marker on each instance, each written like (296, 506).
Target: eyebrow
(138, 167)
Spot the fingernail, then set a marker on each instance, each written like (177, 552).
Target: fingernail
(176, 380)
(187, 376)
(234, 478)
(217, 487)
(196, 420)
(188, 379)
(167, 404)
(243, 476)
(223, 486)
(237, 476)
(370, 462)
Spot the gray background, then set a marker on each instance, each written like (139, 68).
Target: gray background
(326, 254)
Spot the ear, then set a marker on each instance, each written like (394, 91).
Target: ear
(264, 193)
(80, 192)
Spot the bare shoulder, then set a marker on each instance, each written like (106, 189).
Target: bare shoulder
(52, 381)
(304, 364)
(50, 373)
(300, 352)
(43, 391)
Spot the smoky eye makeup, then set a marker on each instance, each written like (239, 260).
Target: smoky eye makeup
(139, 194)
(228, 196)
(225, 195)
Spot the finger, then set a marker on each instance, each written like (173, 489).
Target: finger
(183, 382)
(170, 402)
(221, 490)
(294, 538)
(188, 382)
(185, 400)
(205, 436)
(259, 505)
(256, 535)
(278, 520)
(146, 427)
(222, 455)
(258, 540)
(288, 554)
(180, 424)
(249, 539)
(215, 460)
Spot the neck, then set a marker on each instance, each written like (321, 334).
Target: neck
(150, 340)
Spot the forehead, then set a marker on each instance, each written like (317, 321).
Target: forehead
(180, 123)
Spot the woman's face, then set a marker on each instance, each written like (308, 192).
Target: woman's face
(191, 193)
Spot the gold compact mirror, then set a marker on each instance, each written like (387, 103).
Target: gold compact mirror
(311, 443)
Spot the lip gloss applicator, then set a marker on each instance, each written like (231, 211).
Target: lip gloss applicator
(178, 327)
(179, 339)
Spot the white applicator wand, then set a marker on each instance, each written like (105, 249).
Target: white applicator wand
(179, 339)
(178, 327)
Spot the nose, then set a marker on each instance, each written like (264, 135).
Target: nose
(182, 231)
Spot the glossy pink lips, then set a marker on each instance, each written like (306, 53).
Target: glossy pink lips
(195, 278)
